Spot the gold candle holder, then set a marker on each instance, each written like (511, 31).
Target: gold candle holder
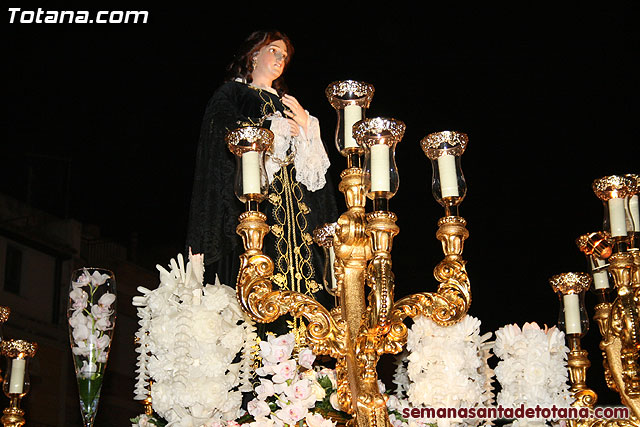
(573, 320)
(17, 383)
(379, 137)
(351, 100)
(249, 145)
(4, 316)
(323, 236)
(597, 248)
(614, 192)
(448, 185)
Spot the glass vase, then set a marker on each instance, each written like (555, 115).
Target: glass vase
(91, 315)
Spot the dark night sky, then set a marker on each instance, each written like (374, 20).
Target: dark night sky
(547, 96)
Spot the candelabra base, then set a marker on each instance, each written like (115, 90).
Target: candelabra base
(13, 415)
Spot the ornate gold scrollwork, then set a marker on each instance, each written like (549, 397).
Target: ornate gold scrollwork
(356, 334)
(621, 342)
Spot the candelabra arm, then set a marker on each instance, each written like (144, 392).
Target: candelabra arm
(578, 362)
(263, 304)
(451, 301)
(601, 316)
(381, 228)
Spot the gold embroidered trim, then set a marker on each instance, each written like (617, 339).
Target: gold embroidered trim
(293, 264)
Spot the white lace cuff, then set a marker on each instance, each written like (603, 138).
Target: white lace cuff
(310, 158)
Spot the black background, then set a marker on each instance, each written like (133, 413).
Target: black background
(108, 117)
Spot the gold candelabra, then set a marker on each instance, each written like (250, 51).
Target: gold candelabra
(16, 382)
(4, 316)
(367, 321)
(613, 256)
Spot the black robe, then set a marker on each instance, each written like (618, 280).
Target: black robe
(293, 212)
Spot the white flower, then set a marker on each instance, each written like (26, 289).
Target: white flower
(103, 323)
(291, 414)
(258, 408)
(143, 421)
(533, 366)
(81, 349)
(301, 392)
(88, 369)
(284, 371)
(79, 298)
(333, 399)
(106, 300)
(318, 391)
(98, 279)
(83, 280)
(77, 318)
(81, 332)
(265, 389)
(306, 358)
(277, 350)
(189, 337)
(446, 366)
(317, 420)
(266, 422)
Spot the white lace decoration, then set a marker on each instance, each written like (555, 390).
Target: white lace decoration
(448, 367)
(188, 338)
(533, 368)
(309, 156)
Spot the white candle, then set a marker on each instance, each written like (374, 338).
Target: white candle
(634, 212)
(251, 172)
(617, 218)
(332, 260)
(17, 376)
(572, 313)
(380, 174)
(600, 278)
(352, 114)
(448, 177)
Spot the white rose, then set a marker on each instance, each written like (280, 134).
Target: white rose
(333, 399)
(318, 391)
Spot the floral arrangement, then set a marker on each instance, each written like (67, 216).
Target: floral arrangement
(290, 390)
(191, 335)
(188, 341)
(533, 367)
(91, 320)
(91, 323)
(446, 367)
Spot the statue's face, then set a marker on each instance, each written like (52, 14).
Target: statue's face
(271, 60)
